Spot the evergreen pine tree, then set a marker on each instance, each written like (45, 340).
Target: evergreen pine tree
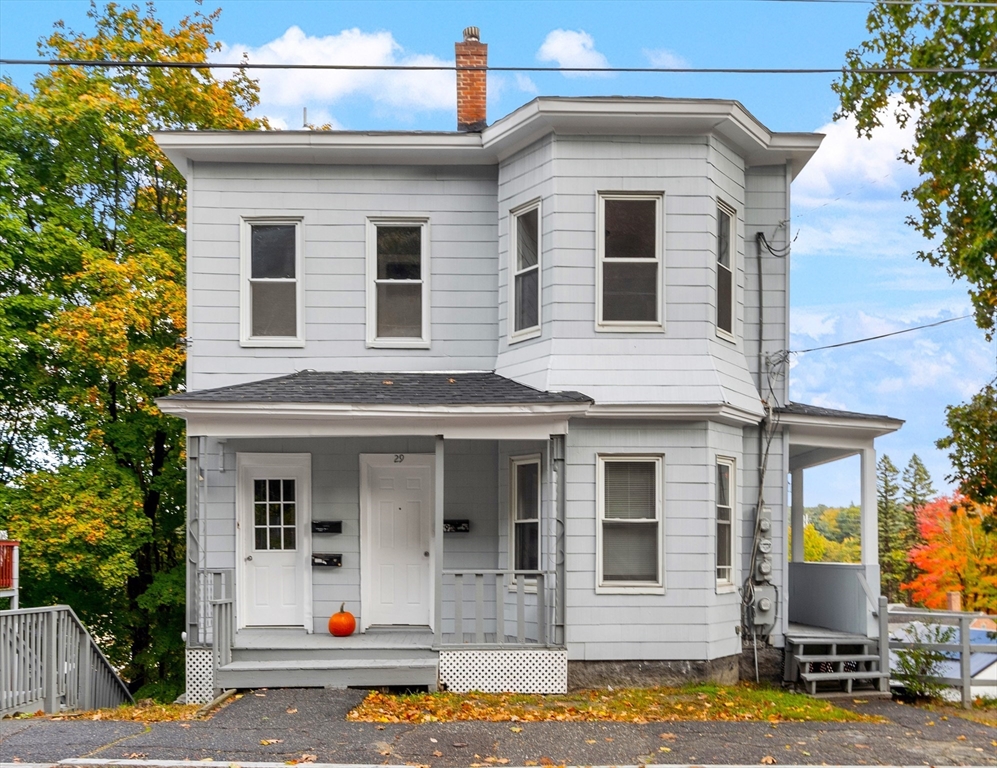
(916, 492)
(892, 554)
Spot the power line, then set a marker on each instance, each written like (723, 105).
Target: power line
(880, 336)
(159, 64)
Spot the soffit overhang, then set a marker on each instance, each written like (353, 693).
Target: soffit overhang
(590, 116)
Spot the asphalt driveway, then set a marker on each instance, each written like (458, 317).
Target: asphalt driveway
(309, 725)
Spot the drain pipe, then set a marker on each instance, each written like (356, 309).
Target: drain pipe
(557, 453)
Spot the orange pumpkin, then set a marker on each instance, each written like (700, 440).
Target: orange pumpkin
(343, 623)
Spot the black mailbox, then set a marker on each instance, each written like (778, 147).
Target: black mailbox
(326, 561)
(327, 526)
(456, 526)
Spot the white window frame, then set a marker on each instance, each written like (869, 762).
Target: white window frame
(602, 586)
(514, 463)
(246, 339)
(629, 326)
(725, 585)
(722, 333)
(373, 340)
(533, 331)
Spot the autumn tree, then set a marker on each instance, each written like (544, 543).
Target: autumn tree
(958, 554)
(92, 319)
(951, 107)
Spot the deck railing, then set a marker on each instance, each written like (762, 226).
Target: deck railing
(963, 648)
(222, 618)
(495, 608)
(49, 661)
(9, 551)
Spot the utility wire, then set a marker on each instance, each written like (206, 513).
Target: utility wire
(160, 64)
(880, 336)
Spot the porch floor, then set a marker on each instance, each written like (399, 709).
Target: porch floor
(806, 633)
(286, 638)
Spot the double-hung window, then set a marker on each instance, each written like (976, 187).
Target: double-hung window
(272, 296)
(525, 242)
(629, 249)
(398, 282)
(725, 271)
(725, 522)
(629, 533)
(525, 513)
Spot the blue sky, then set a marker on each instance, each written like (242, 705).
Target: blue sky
(853, 270)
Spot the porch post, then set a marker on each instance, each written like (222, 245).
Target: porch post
(797, 514)
(870, 529)
(438, 543)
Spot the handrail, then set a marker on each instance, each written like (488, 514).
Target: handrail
(873, 602)
(48, 660)
(489, 631)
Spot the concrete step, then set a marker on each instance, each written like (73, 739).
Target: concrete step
(321, 673)
(822, 657)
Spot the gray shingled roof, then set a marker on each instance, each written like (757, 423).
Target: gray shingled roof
(353, 388)
(801, 409)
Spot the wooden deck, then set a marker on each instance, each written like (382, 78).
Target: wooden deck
(811, 634)
(297, 639)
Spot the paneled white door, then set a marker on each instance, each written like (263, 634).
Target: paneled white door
(397, 535)
(274, 522)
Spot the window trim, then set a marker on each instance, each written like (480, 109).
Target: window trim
(730, 585)
(533, 331)
(629, 326)
(373, 341)
(721, 332)
(603, 587)
(514, 463)
(246, 339)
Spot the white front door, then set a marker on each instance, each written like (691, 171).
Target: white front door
(396, 536)
(274, 580)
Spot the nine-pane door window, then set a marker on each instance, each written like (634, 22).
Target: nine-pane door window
(274, 514)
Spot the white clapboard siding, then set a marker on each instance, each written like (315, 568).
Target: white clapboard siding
(670, 626)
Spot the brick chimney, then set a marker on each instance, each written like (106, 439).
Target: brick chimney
(953, 601)
(472, 102)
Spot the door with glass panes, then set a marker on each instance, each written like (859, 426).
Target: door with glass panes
(273, 502)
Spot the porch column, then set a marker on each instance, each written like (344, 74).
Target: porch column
(438, 543)
(796, 519)
(870, 528)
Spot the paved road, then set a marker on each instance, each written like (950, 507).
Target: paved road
(912, 737)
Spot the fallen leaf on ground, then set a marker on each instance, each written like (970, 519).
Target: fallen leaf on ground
(306, 758)
(516, 729)
(767, 760)
(960, 738)
(292, 710)
(460, 744)
(664, 749)
(261, 695)
(437, 753)
(432, 740)
(590, 741)
(268, 742)
(667, 736)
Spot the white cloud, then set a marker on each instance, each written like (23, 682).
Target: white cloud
(569, 48)
(662, 57)
(284, 92)
(846, 163)
(526, 84)
(814, 325)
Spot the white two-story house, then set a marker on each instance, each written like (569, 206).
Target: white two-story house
(508, 393)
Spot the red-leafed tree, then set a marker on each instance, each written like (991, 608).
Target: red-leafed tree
(959, 554)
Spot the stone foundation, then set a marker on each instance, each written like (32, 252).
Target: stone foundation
(647, 674)
(770, 661)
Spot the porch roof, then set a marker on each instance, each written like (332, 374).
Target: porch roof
(475, 404)
(819, 435)
(375, 388)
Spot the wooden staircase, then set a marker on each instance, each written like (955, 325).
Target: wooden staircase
(833, 662)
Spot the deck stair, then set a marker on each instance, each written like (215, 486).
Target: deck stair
(832, 659)
(262, 659)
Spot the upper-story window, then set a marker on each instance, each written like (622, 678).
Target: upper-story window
(725, 271)
(272, 290)
(629, 248)
(398, 282)
(525, 250)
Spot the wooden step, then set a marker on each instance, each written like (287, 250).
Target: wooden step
(822, 657)
(327, 673)
(867, 674)
(831, 640)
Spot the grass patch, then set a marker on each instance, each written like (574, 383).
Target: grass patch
(743, 702)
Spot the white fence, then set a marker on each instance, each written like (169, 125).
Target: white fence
(48, 661)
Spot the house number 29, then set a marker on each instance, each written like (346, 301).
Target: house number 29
(399, 458)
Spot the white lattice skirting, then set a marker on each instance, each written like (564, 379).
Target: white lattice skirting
(200, 676)
(527, 671)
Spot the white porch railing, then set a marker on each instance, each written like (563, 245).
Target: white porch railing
(485, 608)
(964, 647)
(222, 618)
(49, 661)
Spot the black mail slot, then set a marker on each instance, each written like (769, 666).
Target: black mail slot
(327, 526)
(326, 561)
